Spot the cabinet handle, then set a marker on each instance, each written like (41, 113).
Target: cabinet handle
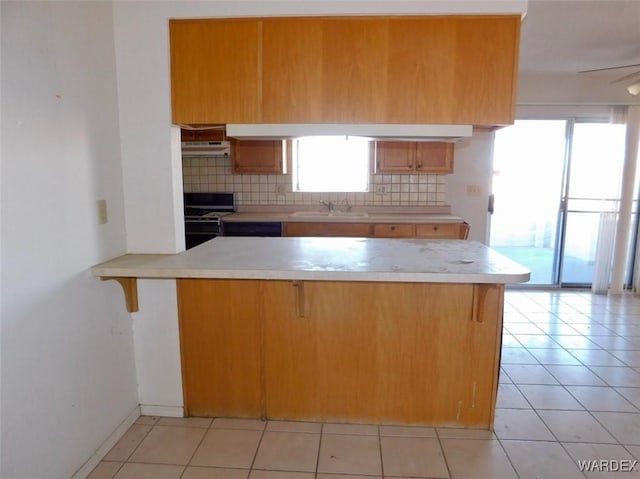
(393, 228)
(299, 285)
(435, 228)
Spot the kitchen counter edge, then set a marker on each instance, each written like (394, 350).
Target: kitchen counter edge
(325, 259)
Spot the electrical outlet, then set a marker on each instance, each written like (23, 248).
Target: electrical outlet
(102, 212)
(381, 190)
(473, 190)
(280, 189)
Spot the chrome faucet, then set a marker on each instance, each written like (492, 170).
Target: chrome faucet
(328, 205)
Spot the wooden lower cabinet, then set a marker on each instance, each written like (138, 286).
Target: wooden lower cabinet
(318, 228)
(221, 347)
(378, 230)
(385, 230)
(408, 353)
(442, 230)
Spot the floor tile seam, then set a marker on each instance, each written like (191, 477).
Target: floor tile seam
(292, 432)
(564, 385)
(195, 450)
(560, 443)
(602, 378)
(255, 453)
(117, 470)
(183, 426)
(575, 463)
(504, 449)
(139, 443)
(602, 387)
(613, 351)
(152, 463)
(316, 472)
(444, 456)
(524, 396)
(606, 428)
(380, 452)
(626, 448)
(228, 428)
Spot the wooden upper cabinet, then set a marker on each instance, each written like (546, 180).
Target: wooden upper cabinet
(292, 70)
(421, 70)
(354, 70)
(202, 135)
(486, 69)
(215, 71)
(429, 69)
(249, 156)
(414, 157)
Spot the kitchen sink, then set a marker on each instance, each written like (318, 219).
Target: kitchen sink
(328, 214)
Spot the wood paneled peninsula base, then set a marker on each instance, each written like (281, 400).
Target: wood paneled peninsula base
(387, 344)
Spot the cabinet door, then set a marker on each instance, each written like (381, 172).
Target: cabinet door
(442, 230)
(215, 71)
(202, 135)
(381, 352)
(249, 156)
(395, 156)
(434, 157)
(292, 70)
(393, 231)
(354, 70)
(486, 60)
(327, 229)
(319, 347)
(220, 344)
(421, 70)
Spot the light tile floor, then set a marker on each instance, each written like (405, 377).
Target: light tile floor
(569, 391)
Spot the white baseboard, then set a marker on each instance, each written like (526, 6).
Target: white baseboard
(164, 411)
(106, 446)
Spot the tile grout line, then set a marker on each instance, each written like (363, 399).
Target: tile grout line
(319, 447)
(507, 455)
(255, 454)
(380, 451)
(444, 456)
(197, 447)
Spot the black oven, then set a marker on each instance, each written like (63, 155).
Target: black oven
(202, 216)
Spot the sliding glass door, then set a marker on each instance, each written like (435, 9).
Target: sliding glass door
(527, 186)
(556, 185)
(591, 202)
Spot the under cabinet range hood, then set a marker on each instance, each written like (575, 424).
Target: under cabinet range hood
(199, 149)
(375, 131)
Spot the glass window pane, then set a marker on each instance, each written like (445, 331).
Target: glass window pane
(331, 164)
(528, 167)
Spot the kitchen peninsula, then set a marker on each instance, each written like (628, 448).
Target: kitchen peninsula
(403, 331)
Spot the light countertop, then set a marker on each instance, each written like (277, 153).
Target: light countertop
(326, 259)
(283, 217)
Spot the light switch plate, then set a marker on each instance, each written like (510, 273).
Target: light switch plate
(102, 212)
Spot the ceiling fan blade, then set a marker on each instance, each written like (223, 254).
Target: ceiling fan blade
(626, 77)
(610, 68)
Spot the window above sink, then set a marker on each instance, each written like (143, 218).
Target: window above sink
(331, 164)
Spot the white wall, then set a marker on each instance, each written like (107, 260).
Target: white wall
(472, 167)
(68, 376)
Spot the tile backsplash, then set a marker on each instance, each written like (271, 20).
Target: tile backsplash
(214, 174)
